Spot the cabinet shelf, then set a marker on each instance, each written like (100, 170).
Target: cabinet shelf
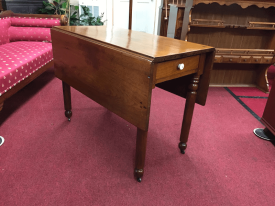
(207, 23)
(221, 24)
(245, 51)
(248, 56)
(261, 25)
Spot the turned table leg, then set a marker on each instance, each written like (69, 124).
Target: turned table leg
(188, 112)
(140, 153)
(67, 100)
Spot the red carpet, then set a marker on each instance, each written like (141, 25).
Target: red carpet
(47, 160)
(255, 104)
(248, 91)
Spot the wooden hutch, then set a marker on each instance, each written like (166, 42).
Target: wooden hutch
(243, 33)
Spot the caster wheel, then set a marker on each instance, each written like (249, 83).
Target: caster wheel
(69, 119)
(139, 179)
(182, 151)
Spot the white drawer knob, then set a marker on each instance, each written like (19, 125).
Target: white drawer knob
(181, 66)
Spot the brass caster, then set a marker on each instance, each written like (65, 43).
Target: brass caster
(182, 147)
(68, 114)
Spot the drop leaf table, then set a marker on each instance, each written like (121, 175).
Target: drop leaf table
(119, 68)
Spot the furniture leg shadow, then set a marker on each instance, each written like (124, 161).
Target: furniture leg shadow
(67, 100)
(1, 105)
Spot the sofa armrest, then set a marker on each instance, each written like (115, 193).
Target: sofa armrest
(64, 20)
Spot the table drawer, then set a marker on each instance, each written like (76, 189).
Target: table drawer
(170, 69)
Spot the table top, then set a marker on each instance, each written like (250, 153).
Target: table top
(158, 48)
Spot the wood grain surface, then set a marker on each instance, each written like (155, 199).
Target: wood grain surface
(117, 80)
(148, 45)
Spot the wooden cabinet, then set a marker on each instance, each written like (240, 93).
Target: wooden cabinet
(24, 6)
(243, 33)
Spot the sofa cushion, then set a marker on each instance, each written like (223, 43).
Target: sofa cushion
(35, 22)
(29, 34)
(20, 59)
(4, 26)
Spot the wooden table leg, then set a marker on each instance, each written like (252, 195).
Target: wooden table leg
(67, 100)
(188, 112)
(140, 153)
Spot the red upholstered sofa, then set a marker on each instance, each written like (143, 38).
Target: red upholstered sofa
(25, 49)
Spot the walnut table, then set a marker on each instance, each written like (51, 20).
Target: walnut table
(118, 68)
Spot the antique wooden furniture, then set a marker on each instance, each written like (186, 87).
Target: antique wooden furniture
(24, 32)
(268, 118)
(243, 33)
(118, 68)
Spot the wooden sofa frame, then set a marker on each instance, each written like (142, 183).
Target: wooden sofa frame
(13, 90)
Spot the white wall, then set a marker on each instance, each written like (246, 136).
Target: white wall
(72, 2)
(144, 17)
(116, 12)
